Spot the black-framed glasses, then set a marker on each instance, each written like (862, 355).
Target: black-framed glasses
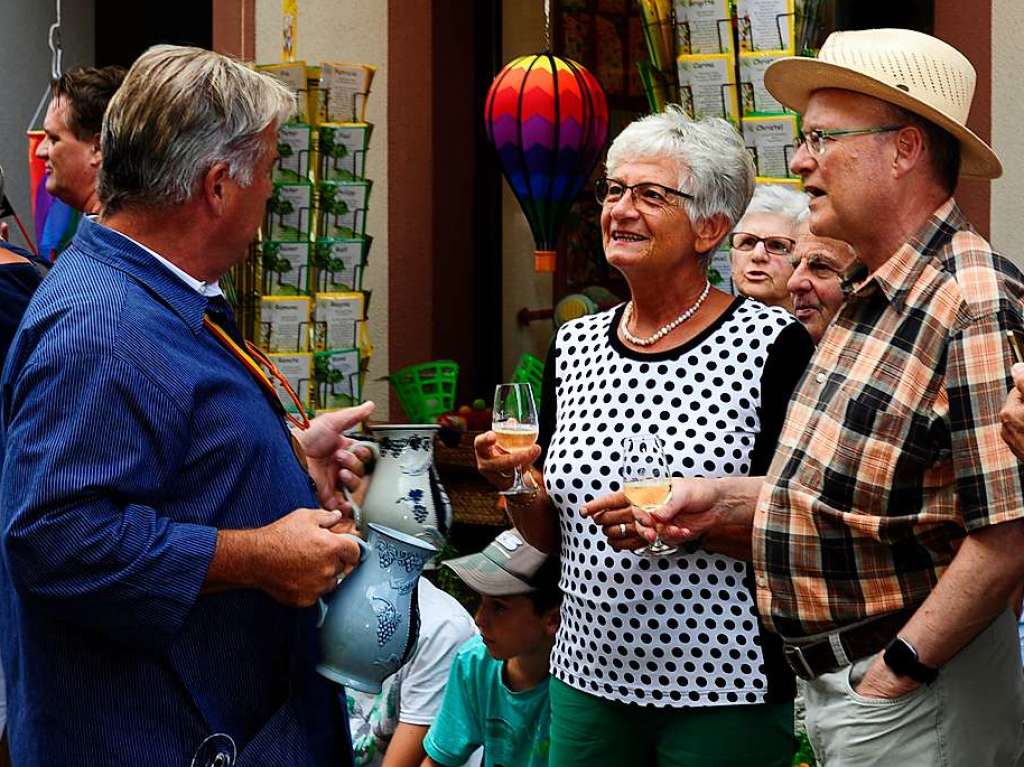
(647, 196)
(777, 245)
(817, 140)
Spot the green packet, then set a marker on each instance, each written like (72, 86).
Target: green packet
(342, 149)
(338, 378)
(342, 208)
(289, 212)
(286, 268)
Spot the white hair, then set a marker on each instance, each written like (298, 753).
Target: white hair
(779, 200)
(180, 111)
(714, 165)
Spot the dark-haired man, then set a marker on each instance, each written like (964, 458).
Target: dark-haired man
(72, 124)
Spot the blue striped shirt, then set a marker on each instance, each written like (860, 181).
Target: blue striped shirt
(130, 437)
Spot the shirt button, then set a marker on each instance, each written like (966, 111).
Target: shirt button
(821, 378)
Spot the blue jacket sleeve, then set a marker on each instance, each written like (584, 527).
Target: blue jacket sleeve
(89, 443)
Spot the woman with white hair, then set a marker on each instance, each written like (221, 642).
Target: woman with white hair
(763, 242)
(660, 660)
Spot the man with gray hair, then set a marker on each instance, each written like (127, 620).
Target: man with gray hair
(163, 544)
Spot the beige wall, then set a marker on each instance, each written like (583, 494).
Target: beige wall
(522, 33)
(1008, 126)
(353, 31)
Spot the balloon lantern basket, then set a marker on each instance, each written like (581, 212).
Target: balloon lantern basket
(427, 390)
(530, 370)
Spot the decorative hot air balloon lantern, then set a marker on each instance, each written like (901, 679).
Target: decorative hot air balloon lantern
(548, 120)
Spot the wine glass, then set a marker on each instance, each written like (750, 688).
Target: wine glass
(514, 422)
(646, 482)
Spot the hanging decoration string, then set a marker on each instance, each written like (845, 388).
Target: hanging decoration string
(56, 45)
(547, 24)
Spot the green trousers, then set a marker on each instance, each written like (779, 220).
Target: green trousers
(589, 731)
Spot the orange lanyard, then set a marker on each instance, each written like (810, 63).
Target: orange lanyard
(246, 357)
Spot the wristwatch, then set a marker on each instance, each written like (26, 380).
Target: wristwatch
(902, 658)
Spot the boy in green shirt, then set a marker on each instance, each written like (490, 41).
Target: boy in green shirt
(497, 692)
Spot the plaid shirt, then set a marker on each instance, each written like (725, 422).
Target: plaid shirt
(891, 451)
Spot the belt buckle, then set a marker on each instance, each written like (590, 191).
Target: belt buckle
(795, 656)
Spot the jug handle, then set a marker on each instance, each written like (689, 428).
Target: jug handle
(357, 512)
(364, 549)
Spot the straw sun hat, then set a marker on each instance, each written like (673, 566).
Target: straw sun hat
(909, 69)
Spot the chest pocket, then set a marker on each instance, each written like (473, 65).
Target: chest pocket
(879, 461)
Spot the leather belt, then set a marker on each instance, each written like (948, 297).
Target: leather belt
(811, 657)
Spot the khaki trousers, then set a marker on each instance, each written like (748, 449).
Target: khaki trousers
(971, 716)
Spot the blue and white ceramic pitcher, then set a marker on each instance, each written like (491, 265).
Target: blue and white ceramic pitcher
(369, 625)
(405, 492)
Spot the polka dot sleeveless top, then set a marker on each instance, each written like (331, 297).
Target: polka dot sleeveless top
(680, 630)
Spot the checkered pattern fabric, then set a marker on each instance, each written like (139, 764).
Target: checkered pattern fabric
(891, 451)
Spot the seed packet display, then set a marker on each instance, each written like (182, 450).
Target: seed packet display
(285, 323)
(756, 98)
(293, 75)
(297, 369)
(339, 264)
(766, 25)
(703, 26)
(337, 318)
(285, 268)
(771, 141)
(289, 212)
(294, 149)
(342, 206)
(316, 97)
(707, 86)
(343, 151)
(337, 376)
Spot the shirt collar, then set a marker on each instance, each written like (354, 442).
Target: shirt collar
(900, 272)
(208, 289)
(155, 275)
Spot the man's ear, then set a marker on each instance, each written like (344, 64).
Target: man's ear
(708, 232)
(910, 148)
(95, 155)
(216, 190)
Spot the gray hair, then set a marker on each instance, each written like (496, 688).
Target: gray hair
(714, 165)
(179, 112)
(781, 201)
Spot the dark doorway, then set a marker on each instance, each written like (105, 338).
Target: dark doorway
(875, 14)
(125, 28)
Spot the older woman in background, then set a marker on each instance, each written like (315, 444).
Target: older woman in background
(763, 242)
(660, 661)
(816, 284)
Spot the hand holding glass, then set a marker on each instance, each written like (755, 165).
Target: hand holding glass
(646, 482)
(514, 422)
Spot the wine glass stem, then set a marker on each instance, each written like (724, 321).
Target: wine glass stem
(517, 477)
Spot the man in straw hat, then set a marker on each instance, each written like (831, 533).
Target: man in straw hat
(887, 536)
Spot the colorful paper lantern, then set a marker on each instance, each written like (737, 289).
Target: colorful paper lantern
(547, 117)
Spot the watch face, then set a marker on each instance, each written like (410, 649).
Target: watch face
(902, 658)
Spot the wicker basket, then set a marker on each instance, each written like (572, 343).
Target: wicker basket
(474, 501)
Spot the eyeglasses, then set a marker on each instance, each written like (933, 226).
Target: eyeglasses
(648, 197)
(818, 267)
(776, 245)
(817, 140)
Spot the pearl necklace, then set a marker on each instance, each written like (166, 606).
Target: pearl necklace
(664, 330)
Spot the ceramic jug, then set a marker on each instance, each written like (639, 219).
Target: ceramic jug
(369, 624)
(405, 492)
